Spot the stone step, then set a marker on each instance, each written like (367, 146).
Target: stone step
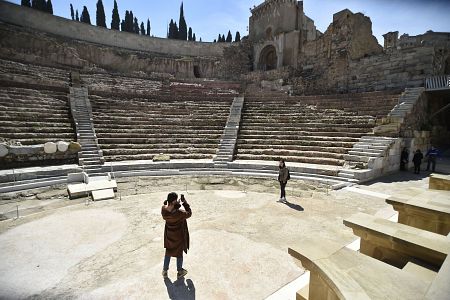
(346, 175)
(365, 153)
(356, 158)
(368, 147)
(299, 159)
(225, 152)
(86, 154)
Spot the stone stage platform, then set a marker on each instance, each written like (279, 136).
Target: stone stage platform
(239, 239)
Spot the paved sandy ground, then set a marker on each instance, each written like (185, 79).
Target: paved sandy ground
(114, 249)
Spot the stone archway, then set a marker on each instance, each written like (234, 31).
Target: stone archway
(268, 59)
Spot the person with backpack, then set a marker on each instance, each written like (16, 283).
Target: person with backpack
(283, 177)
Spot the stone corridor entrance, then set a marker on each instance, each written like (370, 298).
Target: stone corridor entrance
(268, 59)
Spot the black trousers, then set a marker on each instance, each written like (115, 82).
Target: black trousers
(416, 168)
(283, 189)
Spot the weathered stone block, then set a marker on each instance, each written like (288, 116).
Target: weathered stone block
(26, 150)
(439, 182)
(62, 146)
(3, 150)
(50, 148)
(161, 157)
(74, 147)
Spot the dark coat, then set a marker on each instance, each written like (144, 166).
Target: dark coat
(417, 159)
(283, 175)
(176, 232)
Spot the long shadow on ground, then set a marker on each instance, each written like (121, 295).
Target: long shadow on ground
(180, 289)
(292, 205)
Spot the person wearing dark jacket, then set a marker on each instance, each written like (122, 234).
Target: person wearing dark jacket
(417, 160)
(283, 177)
(176, 232)
(432, 155)
(404, 159)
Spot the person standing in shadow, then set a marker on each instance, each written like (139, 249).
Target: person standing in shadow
(417, 160)
(404, 159)
(176, 232)
(432, 155)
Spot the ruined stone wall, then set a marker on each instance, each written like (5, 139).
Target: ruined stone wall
(44, 22)
(21, 44)
(416, 119)
(406, 68)
(347, 58)
(278, 15)
(237, 60)
(35, 37)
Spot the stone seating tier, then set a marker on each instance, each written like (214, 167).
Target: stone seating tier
(117, 83)
(28, 73)
(104, 84)
(303, 129)
(34, 116)
(374, 103)
(140, 128)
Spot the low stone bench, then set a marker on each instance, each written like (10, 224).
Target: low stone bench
(341, 273)
(431, 215)
(440, 287)
(78, 190)
(439, 182)
(397, 243)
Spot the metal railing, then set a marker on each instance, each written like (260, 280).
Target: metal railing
(436, 83)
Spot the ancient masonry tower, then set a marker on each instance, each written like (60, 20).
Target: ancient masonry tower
(278, 29)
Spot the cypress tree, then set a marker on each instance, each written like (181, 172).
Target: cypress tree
(219, 39)
(126, 21)
(136, 26)
(182, 32)
(237, 38)
(200, 38)
(148, 27)
(49, 7)
(100, 14)
(142, 28)
(171, 29)
(122, 25)
(194, 38)
(215, 41)
(72, 13)
(229, 37)
(39, 5)
(26, 3)
(190, 34)
(42, 5)
(76, 16)
(85, 18)
(115, 21)
(130, 24)
(176, 31)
